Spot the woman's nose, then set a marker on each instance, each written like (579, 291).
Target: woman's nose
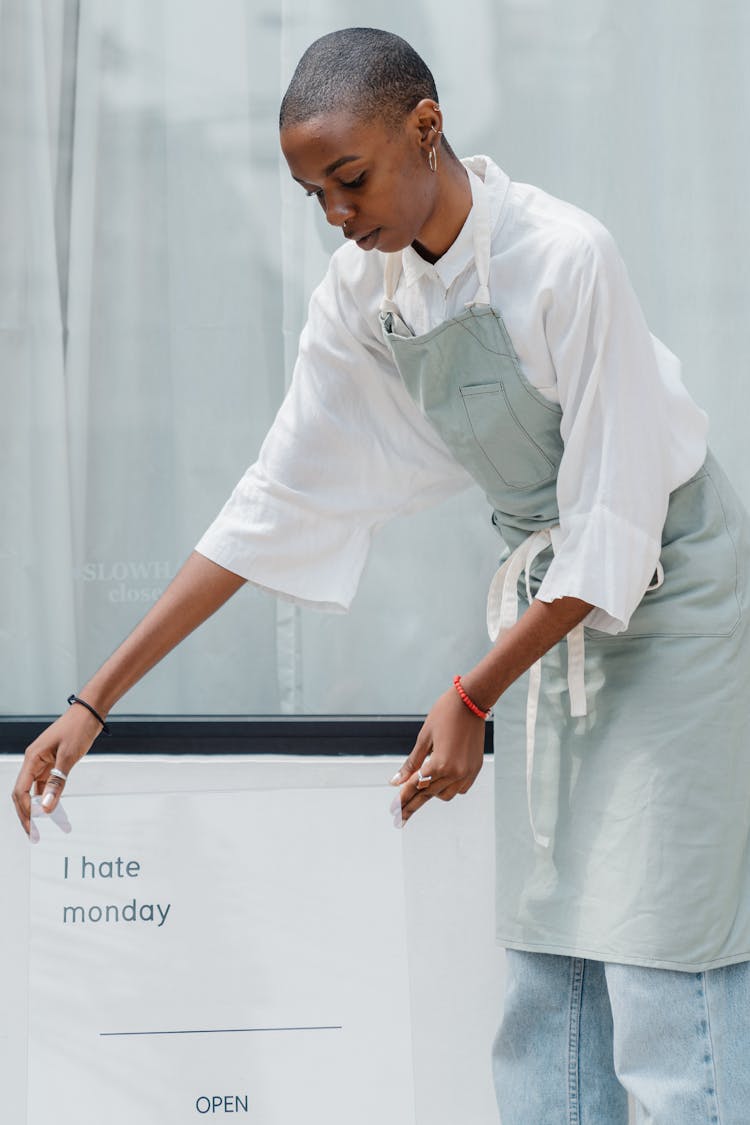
(338, 212)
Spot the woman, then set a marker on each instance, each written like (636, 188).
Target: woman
(489, 332)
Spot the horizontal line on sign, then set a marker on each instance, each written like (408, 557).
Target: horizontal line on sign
(218, 1031)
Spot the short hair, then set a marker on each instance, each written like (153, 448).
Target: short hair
(368, 72)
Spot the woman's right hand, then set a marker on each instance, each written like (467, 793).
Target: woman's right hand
(197, 591)
(59, 746)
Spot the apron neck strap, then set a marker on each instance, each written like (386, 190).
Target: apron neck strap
(391, 278)
(482, 240)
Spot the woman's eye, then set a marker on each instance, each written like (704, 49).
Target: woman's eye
(357, 182)
(317, 193)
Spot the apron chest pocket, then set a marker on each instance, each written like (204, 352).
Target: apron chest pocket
(511, 451)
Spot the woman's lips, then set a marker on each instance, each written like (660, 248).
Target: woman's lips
(368, 241)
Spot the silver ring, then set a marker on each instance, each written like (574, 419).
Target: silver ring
(55, 772)
(422, 781)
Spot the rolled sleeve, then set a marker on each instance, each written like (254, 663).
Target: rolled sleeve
(616, 588)
(277, 539)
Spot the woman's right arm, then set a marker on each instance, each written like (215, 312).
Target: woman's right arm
(197, 591)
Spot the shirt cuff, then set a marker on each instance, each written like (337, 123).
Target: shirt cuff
(299, 555)
(603, 559)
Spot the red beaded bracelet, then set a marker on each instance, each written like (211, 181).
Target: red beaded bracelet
(468, 700)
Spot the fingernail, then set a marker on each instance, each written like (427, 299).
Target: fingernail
(47, 800)
(396, 778)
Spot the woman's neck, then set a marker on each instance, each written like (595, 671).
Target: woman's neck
(450, 213)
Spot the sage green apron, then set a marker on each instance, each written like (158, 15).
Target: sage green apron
(622, 762)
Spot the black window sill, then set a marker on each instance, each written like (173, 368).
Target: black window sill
(314, 735)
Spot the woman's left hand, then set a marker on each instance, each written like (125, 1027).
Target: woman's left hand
(451, 743)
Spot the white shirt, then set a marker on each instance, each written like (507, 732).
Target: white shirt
(349, 447)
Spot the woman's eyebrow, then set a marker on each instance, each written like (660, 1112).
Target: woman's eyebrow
(331, 167)
(337, 164)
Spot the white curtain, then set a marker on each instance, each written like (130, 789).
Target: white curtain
(156, 264)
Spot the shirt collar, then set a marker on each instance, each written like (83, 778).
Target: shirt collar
(458, 256)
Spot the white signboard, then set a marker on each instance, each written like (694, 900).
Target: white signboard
(195, 956)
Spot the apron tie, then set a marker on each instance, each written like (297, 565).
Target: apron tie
(502, 613)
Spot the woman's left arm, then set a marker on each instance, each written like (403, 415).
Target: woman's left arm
(451, 734)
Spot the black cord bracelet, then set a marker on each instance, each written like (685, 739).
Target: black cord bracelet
(74, 699)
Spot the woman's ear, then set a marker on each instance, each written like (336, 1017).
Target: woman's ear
(427, 121)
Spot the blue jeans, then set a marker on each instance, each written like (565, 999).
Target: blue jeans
(577, 1036)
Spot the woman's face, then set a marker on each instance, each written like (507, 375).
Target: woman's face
(373, 182)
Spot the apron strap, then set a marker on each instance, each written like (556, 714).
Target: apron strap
(658, 579)
(391, 278)
(502, 613)
(482, 241)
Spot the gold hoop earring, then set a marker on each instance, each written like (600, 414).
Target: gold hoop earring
(432, 154)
